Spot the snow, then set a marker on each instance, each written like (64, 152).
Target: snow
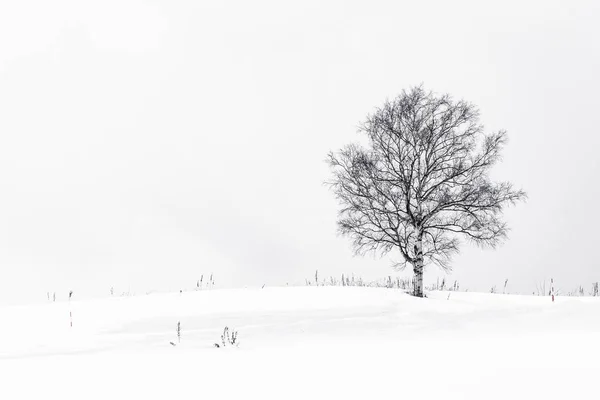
(300, 343)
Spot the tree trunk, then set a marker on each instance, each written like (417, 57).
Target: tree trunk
(418, 266)
(418, 270)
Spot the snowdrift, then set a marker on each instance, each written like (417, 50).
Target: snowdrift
(302, 343)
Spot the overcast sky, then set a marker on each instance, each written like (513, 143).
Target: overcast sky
(144, 143)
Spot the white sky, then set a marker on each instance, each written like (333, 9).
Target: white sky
(144, 143)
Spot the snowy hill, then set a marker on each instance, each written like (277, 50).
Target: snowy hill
(303, 342)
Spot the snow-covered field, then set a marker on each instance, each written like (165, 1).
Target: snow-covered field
(304, 343)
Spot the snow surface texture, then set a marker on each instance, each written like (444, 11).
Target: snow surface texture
(303, 343)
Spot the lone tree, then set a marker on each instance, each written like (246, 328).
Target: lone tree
(422, 183)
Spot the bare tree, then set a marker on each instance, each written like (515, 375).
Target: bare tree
(422, 182)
